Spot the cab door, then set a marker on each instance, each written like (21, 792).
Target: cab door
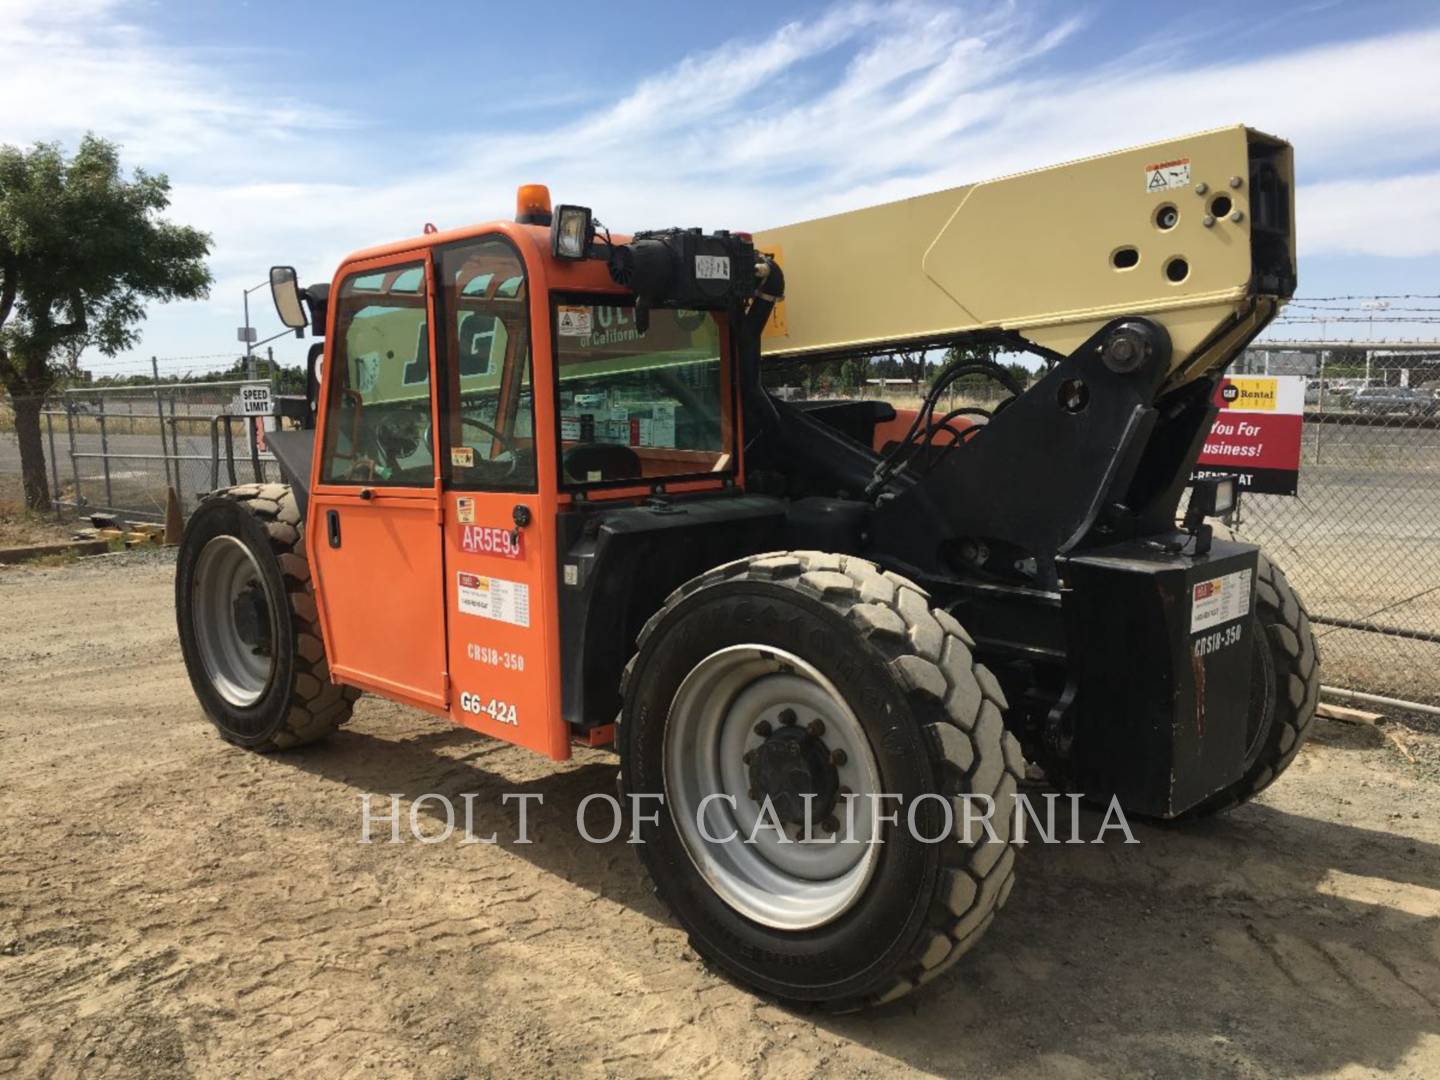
(497, 458)
(374, 539)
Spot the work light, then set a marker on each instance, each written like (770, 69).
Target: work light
(1211, 496)
(570, 233)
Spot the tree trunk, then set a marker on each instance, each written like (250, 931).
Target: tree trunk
(32, 451)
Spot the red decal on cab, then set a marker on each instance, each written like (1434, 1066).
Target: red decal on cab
(490, 540)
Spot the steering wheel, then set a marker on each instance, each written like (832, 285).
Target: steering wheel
(396, 437)
(488, 430)
(505, 459)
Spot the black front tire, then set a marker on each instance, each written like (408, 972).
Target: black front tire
(299, 704)
(933, 718)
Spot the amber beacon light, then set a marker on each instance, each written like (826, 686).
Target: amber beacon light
(532, 204)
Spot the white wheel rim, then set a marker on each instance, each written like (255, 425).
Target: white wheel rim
(224, 573)
(797, 884)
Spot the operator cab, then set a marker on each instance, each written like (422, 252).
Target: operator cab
(512, 384)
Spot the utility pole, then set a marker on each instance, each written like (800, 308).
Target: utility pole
(1372, 306)
(246, 333)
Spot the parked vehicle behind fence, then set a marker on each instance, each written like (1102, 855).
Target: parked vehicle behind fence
(1384, 400)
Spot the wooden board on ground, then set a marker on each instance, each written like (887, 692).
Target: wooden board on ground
(1331, 711)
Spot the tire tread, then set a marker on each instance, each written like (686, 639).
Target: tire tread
(930, 655)
(317, 706)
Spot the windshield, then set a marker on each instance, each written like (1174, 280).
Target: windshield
(636, 406)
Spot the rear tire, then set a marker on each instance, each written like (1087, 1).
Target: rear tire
(249, 629)
(863, 652)
(1287, 678)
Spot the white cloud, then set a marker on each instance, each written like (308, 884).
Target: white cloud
(77, 65)
(867, 102)
(1392, 216)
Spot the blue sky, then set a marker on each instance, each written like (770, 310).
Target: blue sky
(296, 132)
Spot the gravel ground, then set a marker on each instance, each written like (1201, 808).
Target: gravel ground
(173, 906)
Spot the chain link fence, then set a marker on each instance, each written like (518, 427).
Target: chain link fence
(120, 449)
(1361, 542)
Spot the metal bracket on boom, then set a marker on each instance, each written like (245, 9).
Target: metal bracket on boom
(1046, 470)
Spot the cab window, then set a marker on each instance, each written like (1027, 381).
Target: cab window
(489, 400)
(377, 429)
(638, 406)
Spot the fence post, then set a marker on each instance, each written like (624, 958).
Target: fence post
(54, 463)
(74, 461)
(105, 453)
(1320, 424)
(160, 411)
(175, 446)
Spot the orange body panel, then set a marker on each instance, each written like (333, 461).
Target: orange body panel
(406, 610)
(380, 612)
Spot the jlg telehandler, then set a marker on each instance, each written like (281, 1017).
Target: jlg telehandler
(539, 487)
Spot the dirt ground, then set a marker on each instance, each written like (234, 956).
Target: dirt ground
(172, 906)
(21, 528)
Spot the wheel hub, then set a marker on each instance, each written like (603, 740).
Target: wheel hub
(789, 766)
(252, 618)
(751, 722)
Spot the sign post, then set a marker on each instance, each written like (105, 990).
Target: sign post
(255, 403)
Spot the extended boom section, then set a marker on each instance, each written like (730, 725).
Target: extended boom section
(1194, 233)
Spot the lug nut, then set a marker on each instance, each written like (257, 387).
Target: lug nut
(838, 757)
(1237, 216)
(1201, 188)
(787, 717)
(1235, 181)
(763, 729)
(1208, 221)
(843, 791)
(830, 825)
(749, 757)
(816, 728)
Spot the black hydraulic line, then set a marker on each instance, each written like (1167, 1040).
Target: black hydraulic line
(888, 468)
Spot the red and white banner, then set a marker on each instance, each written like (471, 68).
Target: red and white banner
(1256, 434)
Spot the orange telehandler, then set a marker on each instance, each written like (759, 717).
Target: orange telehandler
(538, 486)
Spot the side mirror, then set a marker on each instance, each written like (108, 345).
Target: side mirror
(285, 291)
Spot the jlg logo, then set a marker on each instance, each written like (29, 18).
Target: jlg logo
(499, 711)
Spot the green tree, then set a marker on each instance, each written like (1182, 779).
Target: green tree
(82, 248)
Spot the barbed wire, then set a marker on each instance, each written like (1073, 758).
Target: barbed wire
(1375, 296)
(1350, 308)
(1360, 319)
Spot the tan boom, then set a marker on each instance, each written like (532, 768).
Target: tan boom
(1047, 254)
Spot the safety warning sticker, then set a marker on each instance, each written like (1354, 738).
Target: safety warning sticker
(573, 320)
(1164, 175)
(494, 598)
(712, 267)
(1219, 600)
(465, 510)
